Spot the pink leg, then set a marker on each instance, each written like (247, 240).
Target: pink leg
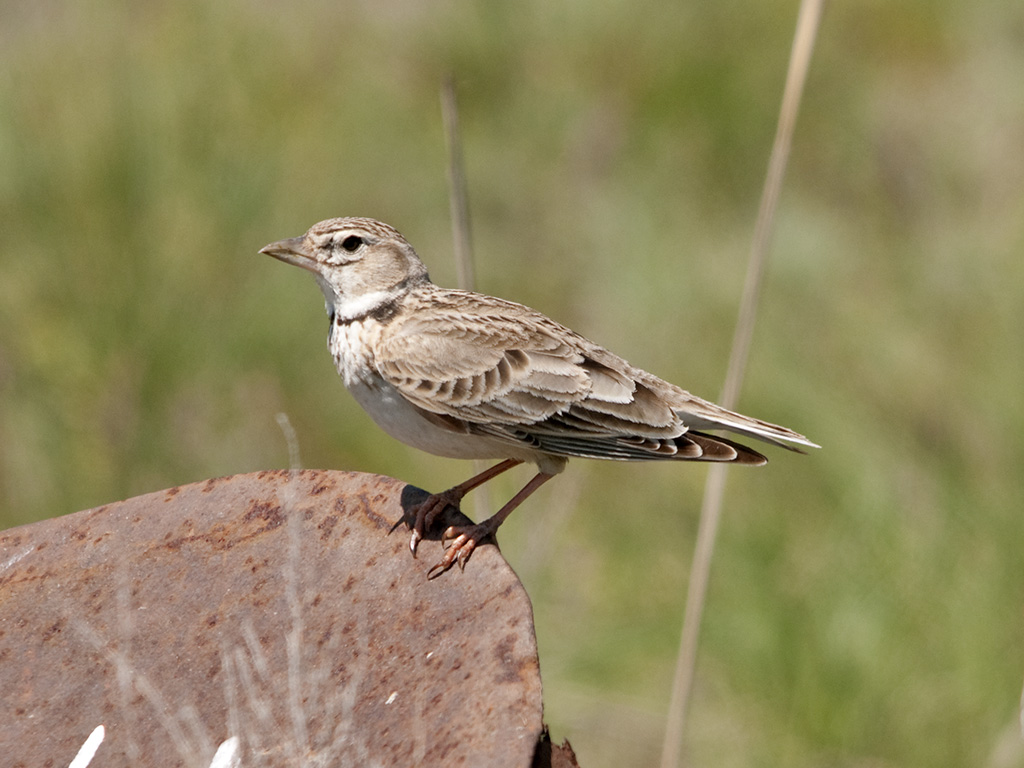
(466, 537)
(433, 505)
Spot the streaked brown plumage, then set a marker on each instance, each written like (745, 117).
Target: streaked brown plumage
(466, 375)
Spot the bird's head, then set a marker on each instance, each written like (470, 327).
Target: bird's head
(358, 263)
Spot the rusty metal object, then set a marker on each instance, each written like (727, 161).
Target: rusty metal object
(269, 616)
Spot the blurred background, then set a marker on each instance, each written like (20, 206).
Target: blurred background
(867, 600)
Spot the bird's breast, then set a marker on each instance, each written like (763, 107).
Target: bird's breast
(352, 346)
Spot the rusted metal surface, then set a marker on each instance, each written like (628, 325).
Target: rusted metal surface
(273, 609)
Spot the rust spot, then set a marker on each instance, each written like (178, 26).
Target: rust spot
(504, 655)
(213, 482)
(54, 629)
(214, 670)
(170, 493)
(319, 487)
(374, 513)
(326, 526)
(325, 637)
(268, 512)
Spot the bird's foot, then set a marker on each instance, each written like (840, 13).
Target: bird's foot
(459, 541)
(428, 510)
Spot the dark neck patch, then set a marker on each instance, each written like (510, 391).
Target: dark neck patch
(381, 313)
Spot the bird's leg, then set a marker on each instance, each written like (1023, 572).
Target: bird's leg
(428, 510)
(466, 537)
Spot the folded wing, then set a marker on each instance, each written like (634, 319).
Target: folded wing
(515, 375)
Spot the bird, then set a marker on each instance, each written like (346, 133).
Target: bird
(465, 375)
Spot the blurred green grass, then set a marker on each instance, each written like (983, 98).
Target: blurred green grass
(866, 604)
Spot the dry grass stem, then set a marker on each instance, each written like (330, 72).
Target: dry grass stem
(457, 194)
(458, 202)
(808, 21)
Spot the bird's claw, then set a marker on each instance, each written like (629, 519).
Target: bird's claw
(458, 543)
(427, 511)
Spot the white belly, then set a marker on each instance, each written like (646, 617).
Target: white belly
(396, 416)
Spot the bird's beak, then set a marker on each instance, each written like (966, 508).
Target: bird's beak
(291, 251)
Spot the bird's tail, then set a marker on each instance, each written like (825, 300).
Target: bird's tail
(702, 415)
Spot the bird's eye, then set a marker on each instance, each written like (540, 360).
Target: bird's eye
(352, 243)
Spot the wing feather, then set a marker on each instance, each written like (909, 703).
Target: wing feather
(500, 369)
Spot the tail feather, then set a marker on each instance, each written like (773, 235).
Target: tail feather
(717, 448)
(711, 416)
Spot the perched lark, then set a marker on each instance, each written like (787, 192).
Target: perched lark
(469, 376)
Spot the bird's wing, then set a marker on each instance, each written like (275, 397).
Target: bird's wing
(503, 364)
(497, 368)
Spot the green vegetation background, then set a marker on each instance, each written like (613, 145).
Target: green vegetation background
(867, 601)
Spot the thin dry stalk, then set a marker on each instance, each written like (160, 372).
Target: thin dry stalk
(808, 21)
(458, 202)
(457, 196)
